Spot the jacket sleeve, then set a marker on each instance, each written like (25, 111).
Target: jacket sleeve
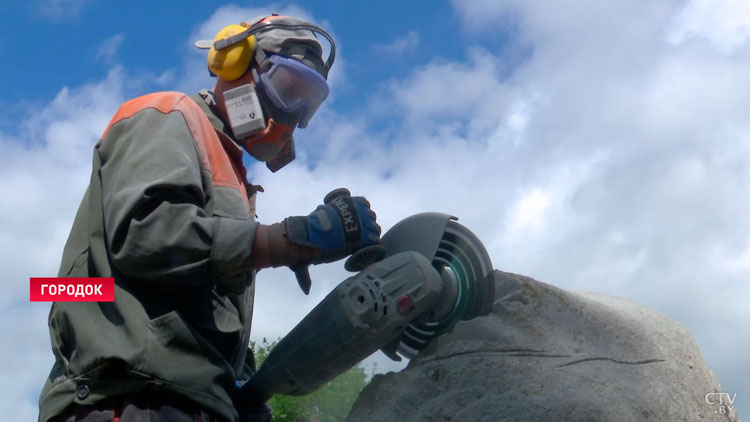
(154, 205)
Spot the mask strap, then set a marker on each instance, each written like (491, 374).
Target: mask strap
(260, 58)
(207, 96)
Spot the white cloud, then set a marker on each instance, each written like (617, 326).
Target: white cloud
(407, 44)
(46, 164)
(60, 9)
(166, 78)
(109, 48)
(724, 23)
(27, 360)
(529, 212)
(661, 217)
(613, 159)
(455, 92)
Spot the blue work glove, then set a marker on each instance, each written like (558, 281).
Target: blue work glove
(338, 228)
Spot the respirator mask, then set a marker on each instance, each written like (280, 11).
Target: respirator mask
(285, 92)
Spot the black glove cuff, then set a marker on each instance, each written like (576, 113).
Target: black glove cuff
(296, 230)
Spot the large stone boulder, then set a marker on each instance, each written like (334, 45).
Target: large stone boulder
(547, 354)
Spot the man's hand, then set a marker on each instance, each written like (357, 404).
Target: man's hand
(338, 228)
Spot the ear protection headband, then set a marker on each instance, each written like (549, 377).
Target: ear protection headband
(233, 48)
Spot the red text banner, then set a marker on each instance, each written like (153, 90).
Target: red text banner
(69, 289)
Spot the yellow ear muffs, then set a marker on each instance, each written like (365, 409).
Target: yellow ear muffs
(231, 63)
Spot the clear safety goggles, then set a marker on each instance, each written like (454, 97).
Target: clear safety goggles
(293, 87)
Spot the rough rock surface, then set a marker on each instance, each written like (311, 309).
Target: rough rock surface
(546, 354)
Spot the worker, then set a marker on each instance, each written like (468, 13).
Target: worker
(170, 215)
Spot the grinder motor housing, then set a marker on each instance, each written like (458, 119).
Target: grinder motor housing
(429, 273)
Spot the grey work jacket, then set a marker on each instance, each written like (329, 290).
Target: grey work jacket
(169, 214)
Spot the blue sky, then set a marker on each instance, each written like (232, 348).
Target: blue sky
(604, 146)
(68, 45)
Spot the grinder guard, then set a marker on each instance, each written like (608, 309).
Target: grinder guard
(435, 272)
(464, 266)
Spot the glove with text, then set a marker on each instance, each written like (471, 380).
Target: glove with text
(343, 225)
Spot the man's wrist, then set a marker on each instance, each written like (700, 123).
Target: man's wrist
(273, 248)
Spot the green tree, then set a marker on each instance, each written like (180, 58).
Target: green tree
(330, 403)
